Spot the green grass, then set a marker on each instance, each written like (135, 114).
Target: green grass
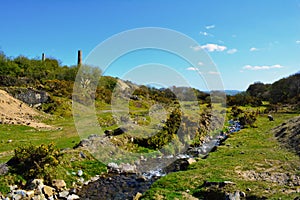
(66, 137)
(250, 149)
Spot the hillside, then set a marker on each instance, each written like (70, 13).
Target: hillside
(14, 111)
(288, 133)
(283, 91)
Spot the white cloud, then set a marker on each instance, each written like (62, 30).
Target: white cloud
(206, 34)
(192, 69)
(232, 51)
(213, 47)
(253, 49)
(262, 67)
(210, 26)
(200, 63)
(196, 48)
(298, 42)
(213, 73)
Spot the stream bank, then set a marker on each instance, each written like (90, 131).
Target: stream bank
(123, 185)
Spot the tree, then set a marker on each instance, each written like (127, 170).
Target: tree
(258, 90)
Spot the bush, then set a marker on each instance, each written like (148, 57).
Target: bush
(244, 117)
(35, 161)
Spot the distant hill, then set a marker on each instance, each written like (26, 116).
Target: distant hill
(227, 92)
(232, 92)
(285, 90)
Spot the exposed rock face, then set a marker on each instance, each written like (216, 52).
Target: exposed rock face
(289, 134)
(31, 96)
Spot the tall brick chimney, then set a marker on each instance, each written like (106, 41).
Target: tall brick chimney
(79, 61)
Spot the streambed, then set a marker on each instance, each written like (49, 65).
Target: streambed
(120, 186)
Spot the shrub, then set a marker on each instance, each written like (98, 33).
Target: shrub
(244, 117)
(35, 161)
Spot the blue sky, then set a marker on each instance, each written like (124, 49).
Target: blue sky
(249, 40)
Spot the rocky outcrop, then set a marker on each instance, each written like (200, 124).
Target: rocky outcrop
(29, 96)
(288, 134)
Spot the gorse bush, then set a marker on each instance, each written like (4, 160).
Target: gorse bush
(246, 118)
(35, 161)
(165, 135)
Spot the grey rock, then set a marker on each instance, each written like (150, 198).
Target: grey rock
(3, 169)
(32, 96)
(80, 172)
(64, 194)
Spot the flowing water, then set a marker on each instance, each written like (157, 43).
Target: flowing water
(125, 186)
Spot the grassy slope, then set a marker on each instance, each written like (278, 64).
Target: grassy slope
(67, 137)
(250, 149)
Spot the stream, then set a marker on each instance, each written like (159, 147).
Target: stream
(120, 186)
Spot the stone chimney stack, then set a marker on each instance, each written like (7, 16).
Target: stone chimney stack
(79, 61)
(43, 57)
